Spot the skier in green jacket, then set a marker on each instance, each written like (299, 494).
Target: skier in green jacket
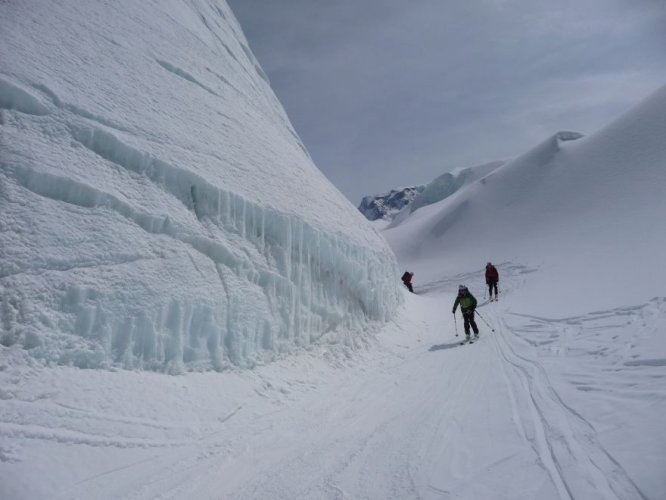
(467, 303)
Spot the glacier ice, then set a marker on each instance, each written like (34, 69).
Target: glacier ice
(157, 209)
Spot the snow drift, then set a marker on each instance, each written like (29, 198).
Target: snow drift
(157, 209)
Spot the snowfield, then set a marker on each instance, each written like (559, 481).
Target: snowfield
(541, 408)
(159, 214)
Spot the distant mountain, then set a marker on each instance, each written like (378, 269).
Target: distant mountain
(386, 206)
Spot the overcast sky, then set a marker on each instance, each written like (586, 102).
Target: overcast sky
(390, 93)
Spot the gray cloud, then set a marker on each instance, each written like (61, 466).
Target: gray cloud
(387, 93)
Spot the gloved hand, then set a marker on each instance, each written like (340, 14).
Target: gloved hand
(454, 311)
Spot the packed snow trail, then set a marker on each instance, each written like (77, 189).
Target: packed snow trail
(414, 416)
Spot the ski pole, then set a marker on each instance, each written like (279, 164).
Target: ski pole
(455, 323)
(482, 319)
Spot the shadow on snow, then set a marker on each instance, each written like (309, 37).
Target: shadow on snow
(439, 347)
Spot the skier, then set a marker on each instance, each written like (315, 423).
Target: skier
(467, 303)
(492, 277)
(407, 280)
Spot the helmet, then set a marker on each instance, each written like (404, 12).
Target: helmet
(462, 288)
(488, 264)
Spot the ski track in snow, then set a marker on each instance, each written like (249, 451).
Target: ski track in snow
(562, 438)
(413, 419)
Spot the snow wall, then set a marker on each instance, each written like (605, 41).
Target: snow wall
(157, 209)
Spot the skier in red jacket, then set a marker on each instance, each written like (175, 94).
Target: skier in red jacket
(407, 280)
(492, 277)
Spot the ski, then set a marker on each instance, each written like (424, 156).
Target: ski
(470, 340)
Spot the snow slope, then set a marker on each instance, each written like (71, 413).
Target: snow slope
(157, 209)
(582, 208)
(575, 228)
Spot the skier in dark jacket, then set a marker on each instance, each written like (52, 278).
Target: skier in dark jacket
(407, 280)
(492, 277)
(467, 303)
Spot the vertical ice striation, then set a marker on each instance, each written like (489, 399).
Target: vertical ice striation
(157, 208)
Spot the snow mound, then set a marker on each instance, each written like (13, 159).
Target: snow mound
(157, 209)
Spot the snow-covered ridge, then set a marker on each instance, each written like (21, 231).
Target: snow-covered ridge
(396, 205)
(157, 209)
(444, 186)
(448, 183)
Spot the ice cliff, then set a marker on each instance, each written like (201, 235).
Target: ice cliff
(157, 209)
